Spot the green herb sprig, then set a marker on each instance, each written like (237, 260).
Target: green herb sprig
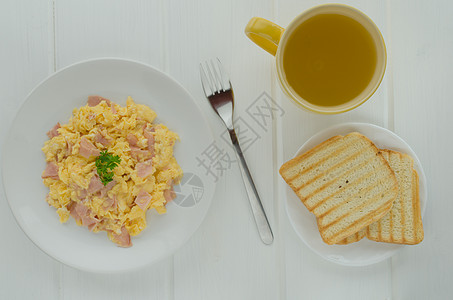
(105, 163)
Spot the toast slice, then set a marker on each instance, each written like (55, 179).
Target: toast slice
(403, 224)
(345, 181)
(355, 237)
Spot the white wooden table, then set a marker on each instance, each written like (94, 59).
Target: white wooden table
(225, 258)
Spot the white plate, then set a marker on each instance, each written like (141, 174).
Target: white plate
(364, 252)
(52, 101)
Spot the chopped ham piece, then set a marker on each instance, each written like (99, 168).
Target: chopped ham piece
(89, 222)
(83, 194)
(169, 195)
(51, 171)
(137, 153)
(95, 100)
(150, 138)
(144, 169)
(79, 211)
(107, 188)
(92, 224)
(123, 239)
(132, 140)
(73, 212)
(100, 138)
(95, 184)
(112, 108)
(110, 203)
(53, 132)
(142, 200)
(87, 149)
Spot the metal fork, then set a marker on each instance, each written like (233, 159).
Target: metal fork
(218, 90)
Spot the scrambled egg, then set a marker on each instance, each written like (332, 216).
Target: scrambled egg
(143, 179)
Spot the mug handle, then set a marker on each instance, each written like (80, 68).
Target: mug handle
(264, 33)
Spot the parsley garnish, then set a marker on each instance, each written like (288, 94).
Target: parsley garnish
(105, 163)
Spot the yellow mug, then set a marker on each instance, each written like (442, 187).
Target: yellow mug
(274, 38)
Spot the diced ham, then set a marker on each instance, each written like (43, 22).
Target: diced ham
(81, 213)
(100, 138)
(144, 169)
(123, 239)
(80, 192)
(95, 184)
(107, 188)
(138, 153)
(150, 137)
(169, 195)
(95, 100)
(112, 108)
(87, 149)
(51, 171)
(78, 211)
(110, 203)
(83, 194)
(92, 224)
(89, 222)
(81, 209)
(73, 212)
(54, 132)
(143, 199)
(132, 140)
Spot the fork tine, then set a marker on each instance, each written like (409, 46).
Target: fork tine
(211, 78)
(205, 83)
(218, 78)
(224, 76)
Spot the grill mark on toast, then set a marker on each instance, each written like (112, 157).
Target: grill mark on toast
(354, 238)
(378, 214)
(346, 198)
(414, 207)
(391, 226)
(318, 162)
(329, 183)
(419, 233)
(336, 166)
(334, 153)
(287, 167)
(355, 208)
(403, 204)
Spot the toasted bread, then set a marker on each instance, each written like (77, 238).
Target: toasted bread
(403, 224)
(345, 182)
(354, 238)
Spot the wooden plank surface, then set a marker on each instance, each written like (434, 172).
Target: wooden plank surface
(225, 258)
(133, 30)
(25, 57)
(422, 52)
(307, 273)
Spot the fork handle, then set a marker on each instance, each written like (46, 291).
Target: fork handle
(261, 221)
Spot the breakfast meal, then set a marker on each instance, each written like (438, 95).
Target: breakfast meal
(356, 190)
(108, 165)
